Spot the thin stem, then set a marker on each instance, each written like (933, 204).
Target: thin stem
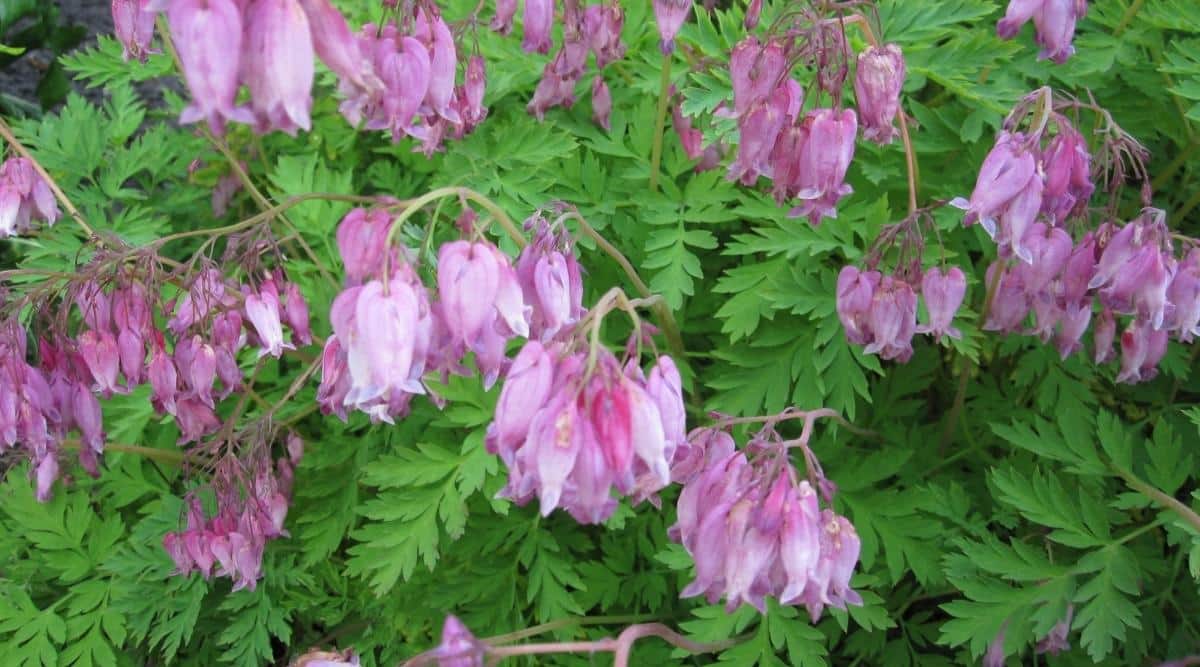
(660, 122)
(910, 156)
(268, 214)
(412, 206)
(666, 319)
(6, 132)
(1128, 17)
(1158, 496)
(564, 623)
(809, 416)
(163, 455)
(620, 647)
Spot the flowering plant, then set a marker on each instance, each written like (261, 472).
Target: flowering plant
(436, 332)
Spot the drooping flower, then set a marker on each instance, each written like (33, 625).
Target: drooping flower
(24, 197)
(893, 319)
(538, 21)
(943, 293)
(133, 24)
(1067, 164)
(670, 15)
(1055, 22)
(601, 102)
(208, 37)
(277, 65)
(1142, 347)
(602, 25)
(877, 83)
(1006, 173)
(337, 46)
(824, 159)
(855, 294)
(756, 70)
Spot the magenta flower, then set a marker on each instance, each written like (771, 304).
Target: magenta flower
(362, 243)
(1142, 347)
(602, 25)
(1074, 320)
(262, 311)
(443, 59)
(1055, 23)
(753, 13)
(892, 319)
(471, 93)
(1056, 641)
(502, 20)
(601, 103)
(1184, 295)
(337, 46)
(551, 282)
(824, 159)
(208, 37)
(100, 353)
(1006, 173)
(943, 293)
(1069, 184)
(877, 83)
(459, 648)
(756, 70)
(670, 15)
(526, 389)
(24, 196)
(1103, 335)
(855, 294)
(1018, 14)
(538, 21)
(758, 129)
(1135, 270)
(278, 64)
(1011, 302)
(133, 23)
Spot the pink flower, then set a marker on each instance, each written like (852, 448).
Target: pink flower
(670, 15)
(100, 353)
(538, 20)
(1103, 335)
(134, 27)
(362, 243)
(756, 70)
(1069, 184)
(892, 319)
(943, 293)
(1006, 173)
(1055, 23)
(337, 46)
(855, 294)
(458, 648)
(262, 310)
(526, 389)
(1184, 295)
(208, 37)
(502, 20)
(443, 59)
(602, 25)
(758, 129)
(824, 159)
(278, 64)
(24, 196)
(877, 84)
(1142, 347)
(295, 314)
(471, 93)
(601, 102)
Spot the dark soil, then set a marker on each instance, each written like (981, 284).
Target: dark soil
(20, 79)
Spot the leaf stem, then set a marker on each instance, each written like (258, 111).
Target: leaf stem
(809, 417)
(164, 455)
(1157, 495)
(660, 122)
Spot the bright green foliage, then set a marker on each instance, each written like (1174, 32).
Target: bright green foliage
(1006, 484)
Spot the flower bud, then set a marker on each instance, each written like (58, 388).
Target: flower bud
(877, 84)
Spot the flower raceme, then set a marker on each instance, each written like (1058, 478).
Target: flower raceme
(754, 530)
(570, 432)
(402, 81)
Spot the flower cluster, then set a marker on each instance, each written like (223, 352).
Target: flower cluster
(571, 427)
(399, 80)
(1054, 21)
(880, 311)
(807, 155)
(116, 347)
(754, 529)
(406, 82)
(251, 508)
(596, 29)
(25, 197)
(388, 332)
